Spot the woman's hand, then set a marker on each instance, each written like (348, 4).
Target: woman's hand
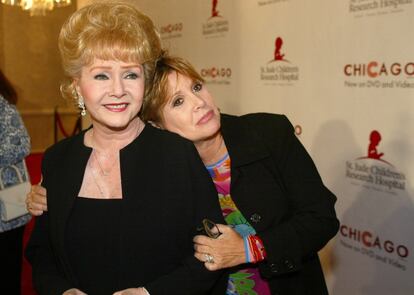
(36, 201)
(74, 291)
(132, 291)
(225, 251)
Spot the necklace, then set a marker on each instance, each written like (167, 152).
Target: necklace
(95, 178)
(94, 152)
(108, 171)
(103, 172)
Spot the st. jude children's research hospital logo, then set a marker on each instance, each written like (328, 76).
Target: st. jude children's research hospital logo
(373, 171)
(279, 70)
(216, 25)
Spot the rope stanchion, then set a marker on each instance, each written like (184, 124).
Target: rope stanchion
(59, 126)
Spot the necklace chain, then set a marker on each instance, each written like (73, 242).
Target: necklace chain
(94, 152)
(95, 178)
(102, 171)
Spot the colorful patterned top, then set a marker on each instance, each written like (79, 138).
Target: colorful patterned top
(14, 147)
(246, 281)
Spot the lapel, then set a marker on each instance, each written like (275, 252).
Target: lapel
(65, 189)
(72, 171)
(243, 143)
(132, 156)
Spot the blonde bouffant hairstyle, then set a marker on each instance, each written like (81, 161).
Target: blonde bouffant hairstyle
(108, 30)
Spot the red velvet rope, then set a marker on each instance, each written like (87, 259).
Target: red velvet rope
(58, 120)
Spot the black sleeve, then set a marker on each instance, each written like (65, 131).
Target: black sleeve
(192, 277)
(46, 277)
(312, 220)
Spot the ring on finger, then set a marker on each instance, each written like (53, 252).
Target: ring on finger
(209, 258)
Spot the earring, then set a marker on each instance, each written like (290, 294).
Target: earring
(81, 105)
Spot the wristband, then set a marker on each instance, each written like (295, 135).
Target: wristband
(247, 249)
(254, 249)
(257, 247)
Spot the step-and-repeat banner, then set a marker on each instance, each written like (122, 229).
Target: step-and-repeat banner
(343, 72)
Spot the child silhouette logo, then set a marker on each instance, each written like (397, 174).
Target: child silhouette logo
(214, 11)
(374, 138)
(216, 24)
(277, 55)
(278, 46)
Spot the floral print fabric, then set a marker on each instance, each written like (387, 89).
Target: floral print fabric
(246, 281)
(14, 147)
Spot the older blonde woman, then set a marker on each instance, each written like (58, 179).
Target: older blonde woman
(124, 198)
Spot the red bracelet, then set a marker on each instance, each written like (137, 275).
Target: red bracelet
(257, 248)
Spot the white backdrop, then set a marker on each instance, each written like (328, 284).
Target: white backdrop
(340, 70)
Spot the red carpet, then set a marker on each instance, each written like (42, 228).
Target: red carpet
(33, 162)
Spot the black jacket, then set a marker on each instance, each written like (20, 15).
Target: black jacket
(276, 186)
(166, 193)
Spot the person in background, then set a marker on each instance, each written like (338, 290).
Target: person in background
(278, 212)
(14, 147)
(124, 198)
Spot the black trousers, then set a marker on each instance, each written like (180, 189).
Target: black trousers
(11, 247)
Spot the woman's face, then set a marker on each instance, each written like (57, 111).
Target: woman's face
(190, 110)
(112, 91)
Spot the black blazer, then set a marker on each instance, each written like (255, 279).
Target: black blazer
(166, 193)
(276, 186)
